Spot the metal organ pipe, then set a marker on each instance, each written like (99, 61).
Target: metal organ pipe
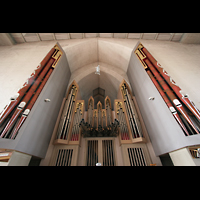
(126, 134)
(90, 113)
(136, 125)
(108, 113)
(167, 101)
(135, 116)
(64, 114)
(68, 122)
(171, 95)
(122, 121)
(99, 116)
(133, 130)
(26, 98)
(30, 105)
(104, 118)
(77, 119)
(22, 91)
(173, 85)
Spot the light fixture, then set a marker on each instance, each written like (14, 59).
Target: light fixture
(47, 100)
(97, 70)
(151, 98)
(98, 66)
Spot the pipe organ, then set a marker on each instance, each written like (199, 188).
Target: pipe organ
(95, 131)
(98, 129)
(131, 112)
(94, 136)
(179, 104)
(121, 117)
(72, 110)
(101, 119)
(130, 129)
(20, 105)
(64, 125)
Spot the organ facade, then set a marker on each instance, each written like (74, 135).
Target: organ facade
(56, 126)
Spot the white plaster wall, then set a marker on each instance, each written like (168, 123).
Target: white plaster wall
(81, 54)
(16, 64)
(180, 60)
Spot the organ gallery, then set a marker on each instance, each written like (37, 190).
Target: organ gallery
(52, 120)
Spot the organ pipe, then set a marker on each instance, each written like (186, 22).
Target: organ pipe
(11, 118)
(186, 114)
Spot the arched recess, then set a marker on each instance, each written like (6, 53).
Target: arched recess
(92, 81)
(109, 79)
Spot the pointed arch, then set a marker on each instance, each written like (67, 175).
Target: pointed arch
(73, 84)
(126, 84)
(107, 100)
(99, 112)
(99, 105)
(91, 100)
(90, 111)
(109, 117)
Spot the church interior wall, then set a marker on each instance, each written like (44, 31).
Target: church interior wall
(180, 60)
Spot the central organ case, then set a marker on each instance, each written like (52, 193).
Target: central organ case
(102, 125)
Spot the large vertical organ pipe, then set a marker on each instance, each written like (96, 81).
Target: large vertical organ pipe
(136, 127)
(170, 94)
(21, 92)
(26, 98)
(133, 129)
(30, 105)
(173, 85)
(68, 121)
(74, 125)
(167, 101)
(135, 116)
(126, 132)
(65, 114)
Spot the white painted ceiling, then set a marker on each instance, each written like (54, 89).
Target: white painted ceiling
(33, 37)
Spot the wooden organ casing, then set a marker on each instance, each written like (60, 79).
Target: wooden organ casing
(99, 116)
(132, 118)
(67, 125)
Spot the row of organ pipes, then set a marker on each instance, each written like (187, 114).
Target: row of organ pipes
(99, 116)
(65, 121)
(68, 129)
(72, 112)
(127, 114)
(135, 125)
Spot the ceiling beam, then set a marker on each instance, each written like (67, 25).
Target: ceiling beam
(23, 37)
(156, 36)
(6, 39)
(38, 36)
(54, 37)
(171, 37)
(190, 38)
